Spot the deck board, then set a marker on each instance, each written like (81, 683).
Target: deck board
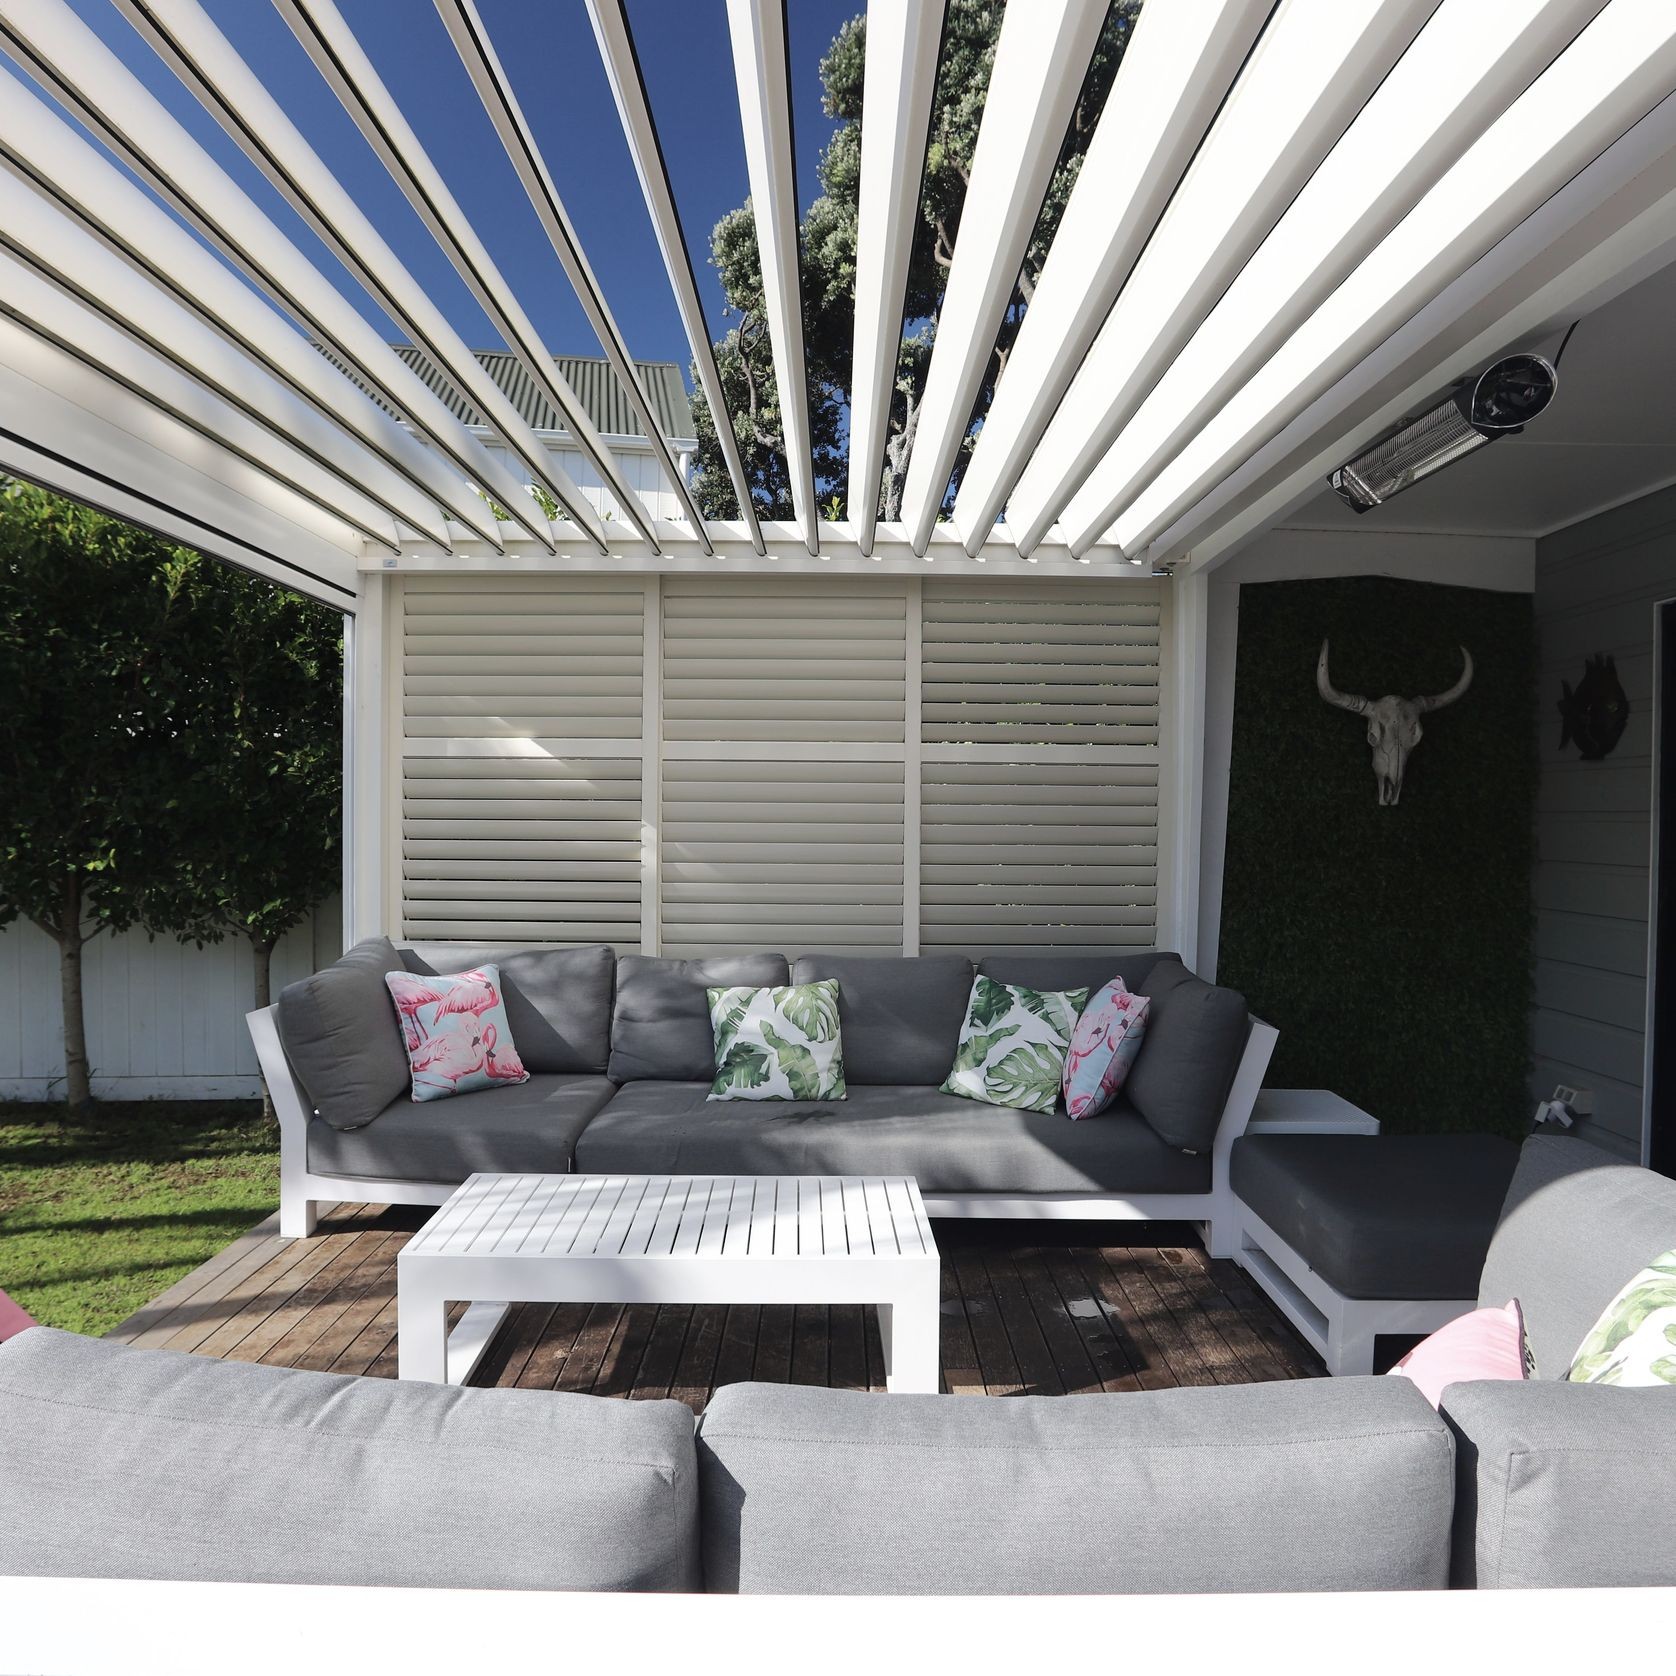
(1043, 1309)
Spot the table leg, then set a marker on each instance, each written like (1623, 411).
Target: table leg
(421, 1334)
(909, 1330)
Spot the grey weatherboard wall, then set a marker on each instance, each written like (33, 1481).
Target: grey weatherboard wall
(1598, 584)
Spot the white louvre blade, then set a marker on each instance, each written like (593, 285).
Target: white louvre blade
(758, 28)
(903, 37)
(1176, 71)
(1313, 69)
(1040, 60)
(622, 69)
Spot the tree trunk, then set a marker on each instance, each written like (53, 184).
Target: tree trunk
(263, 950)
(70, 940)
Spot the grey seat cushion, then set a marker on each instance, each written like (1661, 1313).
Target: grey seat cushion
(1577, 1223)
(1195, 1036)
(660, 1021)
(1313, 1484)
(116, 1462)
(1563, 1486)
(900, 1018)
(517, 1128)
(1380, 1216)
(558, 1001)
(340, 1031)
(1090, 971)
(951, 1145)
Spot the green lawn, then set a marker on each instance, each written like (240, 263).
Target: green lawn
(100, 1214)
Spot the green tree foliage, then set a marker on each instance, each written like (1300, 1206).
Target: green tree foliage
(828, 238)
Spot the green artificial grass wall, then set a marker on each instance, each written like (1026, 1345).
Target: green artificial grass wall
(1390, 946)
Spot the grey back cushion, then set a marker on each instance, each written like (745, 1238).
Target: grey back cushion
(1195, 1036)
(116, 1462)
(1563, 1486)
(340, 1031)
(558, 1001)
(900, 1018)
(1309, 1484)
(1576, 1224)
(1073, 971)
(660, 1022)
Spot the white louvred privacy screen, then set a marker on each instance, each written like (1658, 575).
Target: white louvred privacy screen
(699, 764)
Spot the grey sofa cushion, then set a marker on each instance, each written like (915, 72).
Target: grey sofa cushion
(1563, 1486)
(516, 1128)
(116, 1462)
(1380, 1216)
(1314, 1484)
(900, 1018)
(1577, 1223)
(343, 1038)
(1091, 971)
(558, 1001)
(951, 1145)
(1195, 1036)
(660, 1023)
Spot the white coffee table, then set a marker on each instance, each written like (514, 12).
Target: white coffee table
(505, 1239)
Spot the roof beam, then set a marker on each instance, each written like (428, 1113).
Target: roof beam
(1312, 70)
(634, 111)
(760, 70)
(1609, 78)
(483, 65)
(903, 41)
(1175, 72)
(1040, 61)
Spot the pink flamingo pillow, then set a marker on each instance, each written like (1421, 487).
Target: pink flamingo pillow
(1103, 1047)
(455, 1031)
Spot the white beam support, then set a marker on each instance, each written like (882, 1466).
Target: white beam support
(483, 65)
(1041, 58)
(1610, 77)
(346, 69)
(758, 29)
(634, 111)
(1175, 72)
(903, 38)
(1313, 69)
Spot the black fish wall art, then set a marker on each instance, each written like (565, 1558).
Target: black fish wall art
(1595, 715)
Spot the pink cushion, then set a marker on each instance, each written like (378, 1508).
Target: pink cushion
(1103, 1047)
(13, 1318)
(455, 1031)
(1487, 1344)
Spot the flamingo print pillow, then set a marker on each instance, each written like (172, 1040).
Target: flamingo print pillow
(1103, 1047)
(455, 1031)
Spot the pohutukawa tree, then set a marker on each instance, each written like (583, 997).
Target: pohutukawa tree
(828, 240)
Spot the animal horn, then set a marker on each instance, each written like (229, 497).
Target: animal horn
(1450, 694)
(1345, 701)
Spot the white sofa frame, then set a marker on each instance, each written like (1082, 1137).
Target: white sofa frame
(302, 1191)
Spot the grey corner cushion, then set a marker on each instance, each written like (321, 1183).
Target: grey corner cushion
(116, 1462)
(1309, 1484)
(1563, 1486)
(900, 1018)
(558, 1001)
(343, 1038)
(660, 1022)
(1195, 1037)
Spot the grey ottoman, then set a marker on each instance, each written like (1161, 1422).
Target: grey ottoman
(1358, 1235)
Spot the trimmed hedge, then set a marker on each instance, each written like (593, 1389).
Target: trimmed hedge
(1390, 946)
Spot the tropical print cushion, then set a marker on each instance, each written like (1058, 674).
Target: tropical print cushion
(1013, 1044)
(1103, 1047)
(455, 1031)
(777, 1044)
(1634, 1341)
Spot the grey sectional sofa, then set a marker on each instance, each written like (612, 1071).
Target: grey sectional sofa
(620, 1055)
(117, 1462)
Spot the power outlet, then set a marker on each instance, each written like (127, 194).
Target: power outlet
(1580, 1100)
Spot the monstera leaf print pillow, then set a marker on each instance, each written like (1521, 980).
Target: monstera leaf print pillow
(1634, 1341)
(777, 1044)
(1013, 1044)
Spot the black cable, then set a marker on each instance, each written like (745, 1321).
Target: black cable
(1565, 340)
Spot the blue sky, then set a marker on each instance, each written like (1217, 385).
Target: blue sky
(548, 48)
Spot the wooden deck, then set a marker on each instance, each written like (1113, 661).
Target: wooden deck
(1045, 1309)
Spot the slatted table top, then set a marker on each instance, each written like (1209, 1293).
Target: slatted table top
(748, 1218)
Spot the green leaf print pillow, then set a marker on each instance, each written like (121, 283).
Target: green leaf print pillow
(777, 1044)
(1634, 1341)
(1013, 1044)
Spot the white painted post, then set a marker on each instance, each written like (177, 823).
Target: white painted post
(365, 764)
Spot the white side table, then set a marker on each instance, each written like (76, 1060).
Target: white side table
(1308, 1111)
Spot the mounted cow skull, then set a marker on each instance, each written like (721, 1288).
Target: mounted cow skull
(1393, 723)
